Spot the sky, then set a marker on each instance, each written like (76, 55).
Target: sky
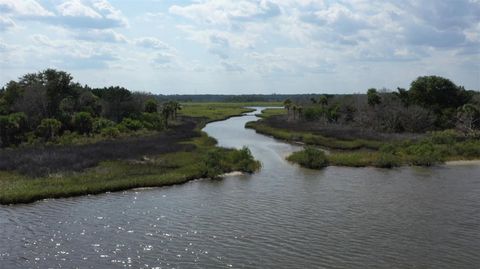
(243, 46)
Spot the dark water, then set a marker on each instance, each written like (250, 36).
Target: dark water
(281, 217)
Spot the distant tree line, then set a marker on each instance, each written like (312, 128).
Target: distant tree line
(431, 103)
(45, 105)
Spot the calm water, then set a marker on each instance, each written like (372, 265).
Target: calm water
(281, 217)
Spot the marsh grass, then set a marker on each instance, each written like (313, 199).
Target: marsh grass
(422, 150)
(174, 157)
(163, 170)
(312, 139)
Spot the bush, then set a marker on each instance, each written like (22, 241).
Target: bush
(152, 121)
(83, 122)
(129, 124)
(151, 106)
(387, 160)
(101, 123)
(110, 132)
(310, 157)
(243, 160)
(444, 137)
(423, 154)
(212, 163)
(49, 128)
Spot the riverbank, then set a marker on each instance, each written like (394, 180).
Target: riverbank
(181, 154)
(386, 151)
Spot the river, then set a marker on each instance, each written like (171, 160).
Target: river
(281, 217)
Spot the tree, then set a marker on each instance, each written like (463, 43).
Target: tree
(49, 128)
(12, 128)
(323, 100)
(83, 122)
(294, 109)
(468, 117)
(151, 106)
(437, 93)
(166, 113)
(33, 102)
(287, 104)
(174, 106)
(373, 98)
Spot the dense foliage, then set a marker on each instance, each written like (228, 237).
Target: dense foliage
(45, 106)
(432, 103)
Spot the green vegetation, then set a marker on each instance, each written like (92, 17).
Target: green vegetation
(309, 157)
(43, 107)
(269, 112)
(163, 170)
(432, 122)
(46, 115)
(312, 139)
(435, 148)
(215, 111)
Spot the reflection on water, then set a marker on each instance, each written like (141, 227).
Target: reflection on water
(282, 217)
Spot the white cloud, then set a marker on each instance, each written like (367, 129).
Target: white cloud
(6, 23)
(152, 43)
(101, 35)
(28, 8)
(76, 8)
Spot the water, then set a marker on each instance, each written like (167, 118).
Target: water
(282, 217)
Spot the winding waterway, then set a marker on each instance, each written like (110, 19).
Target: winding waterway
(281, 217)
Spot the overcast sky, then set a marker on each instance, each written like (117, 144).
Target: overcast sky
(241, 47)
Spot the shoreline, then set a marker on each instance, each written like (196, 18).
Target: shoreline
(463, 162)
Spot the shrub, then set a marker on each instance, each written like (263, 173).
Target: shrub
(423, 154)
(243, 160)
(110, 132)
(212, 163)
(387, 160)
(101, 123)
(309, 157)
(444, 137)
(151, 106)
(83, 122)
(152, 121)
(130, 124)
(49, 128)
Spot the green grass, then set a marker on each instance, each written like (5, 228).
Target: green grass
(436, 148)
(162, 170)
(312, 139)
(269, 112)
(206, 160)
(213, 111)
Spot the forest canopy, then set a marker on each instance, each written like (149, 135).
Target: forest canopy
(40, 107)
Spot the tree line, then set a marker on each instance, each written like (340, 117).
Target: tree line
(40, 107)
(431, 103)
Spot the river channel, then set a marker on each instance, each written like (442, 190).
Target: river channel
(283, 216)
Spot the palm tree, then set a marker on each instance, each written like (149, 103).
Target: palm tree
(175, 106)
(287, 104)
(294, 108)
(323, 100)
(166, 113)
(299, 109)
